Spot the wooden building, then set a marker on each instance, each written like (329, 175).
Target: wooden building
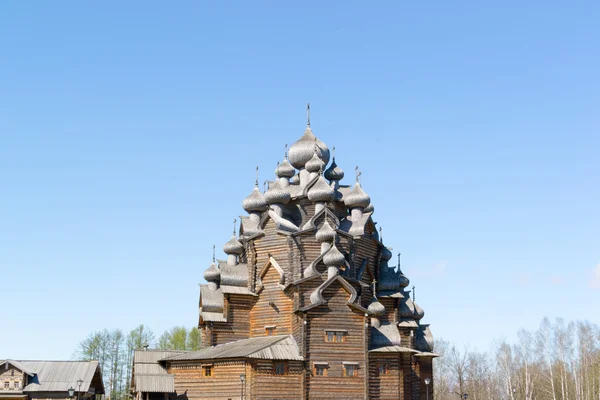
(37, 380)
(150, 379)
(306, 305)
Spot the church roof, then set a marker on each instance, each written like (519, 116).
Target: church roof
(280, 347)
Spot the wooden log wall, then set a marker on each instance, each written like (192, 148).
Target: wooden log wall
(266, 385)
(336, 315)
(273, 307)
(224, 384)
(389, 385)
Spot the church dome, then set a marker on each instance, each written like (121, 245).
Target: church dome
(285, 170)
(321, 191)
(276, 194)
(233, 246)
(334, 173)
(314, 164)
(386, 254)
(369, 208)
(212, 274)
(419, 313)
(357, 197)
(295, 180)
(334, 258)
(376, 308)
(325, 233)
(406, 308)
(302, 151)
(255, 201)
(403, 280)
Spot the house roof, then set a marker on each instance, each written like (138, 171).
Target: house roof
(19, 365)
(280, 347)
(149, 375)
(59, 376)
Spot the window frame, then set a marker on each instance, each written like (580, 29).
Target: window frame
(270, 330)
(337, 335)
(283, 365)
(348, 365)
(320, 366)
(208, 368)
(383, 369)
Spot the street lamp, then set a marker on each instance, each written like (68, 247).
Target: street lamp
(242, 380)
(71, 391)
(427, 382)
(79, 383)
(465, 395)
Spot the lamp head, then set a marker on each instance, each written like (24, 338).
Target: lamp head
(242, 377)
(427, 381)
(71, 391)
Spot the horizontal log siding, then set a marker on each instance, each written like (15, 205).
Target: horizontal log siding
(388, 386)
(237, 326)
(266, 385)
(264, 314)
(336, 315)
(224, 384)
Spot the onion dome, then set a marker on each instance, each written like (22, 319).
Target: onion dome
(376, 308)
(233, 246)
(302, 151)
(357, 197)
(255, 201)
(314, 164)
(276, 194)
(386, 254)
(403, 280)
(295, 180)
(334, 173)
(285, 169)
(321, 191)
(406, 308)
(333, 258)
(419, 313)
(212, 274)
(325, 233)
(369, 208)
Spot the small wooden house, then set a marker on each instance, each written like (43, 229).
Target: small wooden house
(306, 305)
(30, 380)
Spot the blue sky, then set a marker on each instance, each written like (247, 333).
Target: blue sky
(129, 133)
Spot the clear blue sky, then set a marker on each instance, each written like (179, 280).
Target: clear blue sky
(130, 131)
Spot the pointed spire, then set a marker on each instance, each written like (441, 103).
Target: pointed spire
(414, 294)
(358, 174)
(234, 226)
(333, 152)
(256, 182)
(374, 283)
(285, 151)
(381, 234)
(308, 114)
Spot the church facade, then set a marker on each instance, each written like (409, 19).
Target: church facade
(306, 305)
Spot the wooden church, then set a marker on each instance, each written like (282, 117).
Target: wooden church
(306, 305)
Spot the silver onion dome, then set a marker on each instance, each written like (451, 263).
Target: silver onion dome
(233, 246)
(419, 313)
(321, 191)
(255, 201)
(369, 208)
(285, 170)
(376, 308)
(325, 233)
(406, 308)
(334, 258)
(386, 254)
(357, 197)
(295, 180)
(333, 172)
(212, 274)
(302, 151)
(315, 164)
(276, 194)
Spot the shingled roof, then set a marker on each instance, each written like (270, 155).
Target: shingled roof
(280, 347)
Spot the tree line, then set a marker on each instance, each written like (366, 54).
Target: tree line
(557, 361)
(114, 352)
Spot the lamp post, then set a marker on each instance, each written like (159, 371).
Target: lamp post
(79, 383)
(427, 382)
(242, 380)
(465, 396)
(71, 392)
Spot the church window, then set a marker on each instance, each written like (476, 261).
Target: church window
(16, 385)
(207, 370)
(335, 336)
(270, 330)
(280, 368)
(320, 369)
(350, 370)
(384, 369)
